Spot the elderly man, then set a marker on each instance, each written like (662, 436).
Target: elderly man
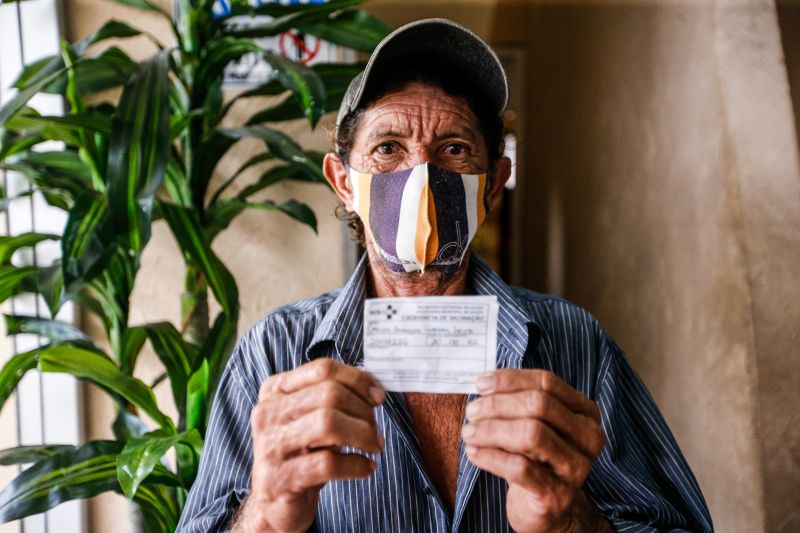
(563, 437)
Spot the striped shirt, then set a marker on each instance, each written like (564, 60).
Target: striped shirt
(640, 481)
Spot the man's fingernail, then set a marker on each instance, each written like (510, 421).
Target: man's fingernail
(471, 450)
(486, 383)
(377, 394)
(473, 408)
(468, 431)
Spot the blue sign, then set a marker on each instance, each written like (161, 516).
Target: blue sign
(222, 8)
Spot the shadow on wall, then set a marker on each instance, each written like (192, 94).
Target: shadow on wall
(789, 21)
(638, 137)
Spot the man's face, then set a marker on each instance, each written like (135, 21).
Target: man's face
(417, 124)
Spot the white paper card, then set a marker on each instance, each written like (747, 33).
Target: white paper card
(430, 343)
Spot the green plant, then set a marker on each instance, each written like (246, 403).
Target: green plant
(124, 165)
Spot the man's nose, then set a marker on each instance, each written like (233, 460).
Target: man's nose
(418, 155)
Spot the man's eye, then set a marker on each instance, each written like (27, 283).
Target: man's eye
(387, 148)
(456, 149)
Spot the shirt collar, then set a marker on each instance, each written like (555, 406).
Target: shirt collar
(342, 325)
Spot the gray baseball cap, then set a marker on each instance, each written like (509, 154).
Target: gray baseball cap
(439, 39)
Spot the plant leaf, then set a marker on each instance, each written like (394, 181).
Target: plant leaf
(32, 71)
(14, 370)
(334, 77)
(224, 211)
(140, 456)
(218, 54)
(50, 284)
(46, 74)
(10, 244)
(100, 370)
(90, 122)
(138, 151)
(196, 395)
(13, 280)
(179, 123)
(292, 19)
(24, 95)
(31, 454)
(88, 244)
(91, 304)
(304, 84)
(160, 511)
(110, 68)
(75, 473)
(177, 355)
(207, 155)
(271, 177)
(186, 228)
(128, 426)
(177, 186)
(255, 160)
(188, 452)
(351, 28)
(112, 288)
(112, 29)
(279, 144)
(26, 124)
(64, 164)
(54, 183)
(287, 109)
(12, 142)
(133, 339)
(217, 348)
(53, 330)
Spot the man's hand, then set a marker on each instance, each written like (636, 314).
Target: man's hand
(540, 435)
(302, 419)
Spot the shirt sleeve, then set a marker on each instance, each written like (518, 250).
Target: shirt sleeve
(641, 481)
(223, 479)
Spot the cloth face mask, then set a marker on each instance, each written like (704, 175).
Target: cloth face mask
(420, 217)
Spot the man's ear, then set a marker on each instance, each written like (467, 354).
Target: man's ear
(335, 171)
(499, 177)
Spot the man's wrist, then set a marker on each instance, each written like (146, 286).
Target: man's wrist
(585, 517)
(253, 518)
(248, 520)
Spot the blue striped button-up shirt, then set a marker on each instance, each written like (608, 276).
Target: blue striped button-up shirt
(641, 482)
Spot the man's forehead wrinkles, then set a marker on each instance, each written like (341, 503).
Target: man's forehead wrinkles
(419, 111)
(394, 123)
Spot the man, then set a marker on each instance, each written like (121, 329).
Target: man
(563, 437)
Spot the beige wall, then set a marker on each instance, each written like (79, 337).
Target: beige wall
(662, 194)
(650, 243)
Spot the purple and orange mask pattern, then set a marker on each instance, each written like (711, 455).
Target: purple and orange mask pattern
(421, 217)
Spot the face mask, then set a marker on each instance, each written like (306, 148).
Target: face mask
(420, 217)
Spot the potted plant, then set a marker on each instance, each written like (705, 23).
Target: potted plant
(121, 166)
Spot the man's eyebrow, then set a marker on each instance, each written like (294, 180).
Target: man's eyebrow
(388, 134)
(383, 134)
(464, 134)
